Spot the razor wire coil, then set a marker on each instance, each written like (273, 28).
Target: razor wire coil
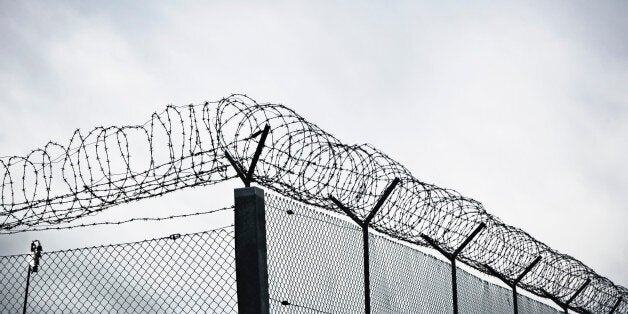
(185, 146)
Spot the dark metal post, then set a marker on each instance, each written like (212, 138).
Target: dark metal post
(367, 270)
(519, 278)
(250, 251)
(364, 224)
(452, 258)
(247, 176)
(513, 284)
(454, 285)
(28, 283)
(33, 267)
(565, 305)
(615, 306)
(573, 297)
(515, 306)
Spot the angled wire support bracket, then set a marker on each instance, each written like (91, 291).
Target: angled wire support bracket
(513, 283)
(499, 276)
(582, 287)
(558, 302)
(617, 303)
(437, 247)
(469, 238)
(373, 212)
(347, 211)
(247, 176)
(526, 270)
(452, 258)
(454, 255)
(364, 225)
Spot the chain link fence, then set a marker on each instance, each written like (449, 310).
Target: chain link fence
(193, 273)
(314, 264)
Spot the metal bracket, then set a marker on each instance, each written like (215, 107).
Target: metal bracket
(616, 306)
(513, 284)
(437, 247)
(247, 177)
(507, 281)
(364, 225)
(373, 212)
(469, 238)
(558, 302)
(454, 255)
(452, 258)
(499, 276)
(573, 297)
(527, 270)
(347, 211)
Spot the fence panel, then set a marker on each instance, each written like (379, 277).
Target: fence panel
(315, 266)
(531, 306)
(12, 282)
(405, 280)
(194, 273)
(479, 296)
(314, 260)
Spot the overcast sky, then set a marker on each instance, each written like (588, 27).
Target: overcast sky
(522, 106)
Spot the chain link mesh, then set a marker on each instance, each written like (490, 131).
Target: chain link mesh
(314, 260)
(405, 280)
(193, 273)
(12, 282)
(479, 296)
(315, 266)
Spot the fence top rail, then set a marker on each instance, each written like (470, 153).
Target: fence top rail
(186, 146)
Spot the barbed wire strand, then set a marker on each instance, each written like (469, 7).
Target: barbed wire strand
(120, 222)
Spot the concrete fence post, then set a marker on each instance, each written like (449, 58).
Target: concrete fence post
(250, 251)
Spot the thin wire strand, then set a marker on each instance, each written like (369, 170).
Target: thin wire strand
(143, 219)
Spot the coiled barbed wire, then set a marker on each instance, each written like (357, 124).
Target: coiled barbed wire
(185, 146)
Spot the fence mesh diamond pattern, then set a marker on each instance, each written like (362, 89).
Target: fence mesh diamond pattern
(194, 273)
(315, 266)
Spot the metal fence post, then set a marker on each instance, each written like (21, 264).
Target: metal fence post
(28, 283)
(615, 306)
(250, 251)
(513, 283)
(452, 259)
(566, 305)
(33, 267)
(364, 225)
(577, 293)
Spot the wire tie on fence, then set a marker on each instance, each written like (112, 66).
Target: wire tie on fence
(174, 236)
(290, 212)
(285, 302)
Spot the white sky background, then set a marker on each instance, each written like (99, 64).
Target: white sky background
(522, 106)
